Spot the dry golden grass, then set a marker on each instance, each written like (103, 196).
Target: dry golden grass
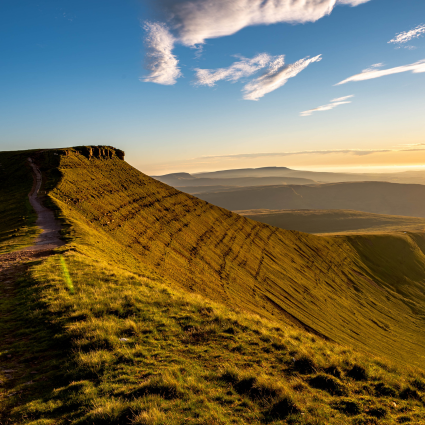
(339, 222)
(163, 309)
(115, 213)
(129, 350)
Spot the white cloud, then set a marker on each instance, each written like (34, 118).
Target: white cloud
(194, 21)
(334, 103)
(369, 74)
(342, 99)
(373, 67)
(160, 61)
(357, 152)
(352, 2)
(243, 68)
(405, 37)
(322, 108)
(276, 76)
(198, 20)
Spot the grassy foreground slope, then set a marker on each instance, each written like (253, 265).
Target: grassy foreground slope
(121, 216)
(335, 221)
(117, 347)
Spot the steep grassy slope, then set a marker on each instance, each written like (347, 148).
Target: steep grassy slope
(335, 221)
(123, 350)
(17, 224)
(373, 197)
(112, 330)
(119, 215)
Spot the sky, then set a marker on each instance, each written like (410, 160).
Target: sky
(203, 85)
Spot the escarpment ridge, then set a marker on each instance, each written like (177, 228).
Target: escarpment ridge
(334, 287)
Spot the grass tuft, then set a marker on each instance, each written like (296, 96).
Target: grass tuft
(328, 383)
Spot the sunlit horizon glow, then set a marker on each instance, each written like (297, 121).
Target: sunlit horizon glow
(354, 161)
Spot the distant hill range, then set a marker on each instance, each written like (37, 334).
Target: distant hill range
(372, 197)
(200, 184)
(227, 179)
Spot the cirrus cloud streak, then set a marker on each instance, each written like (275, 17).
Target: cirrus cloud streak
(334, 103)
(357, 152)
(369, 74)
(277, 76)
(243, 68)
(405, 37)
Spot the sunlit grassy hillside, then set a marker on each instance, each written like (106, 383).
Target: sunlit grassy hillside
(119, 215)
(119, 349)
(336, 221)
(176, 311)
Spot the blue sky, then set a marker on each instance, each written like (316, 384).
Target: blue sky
(71, 73)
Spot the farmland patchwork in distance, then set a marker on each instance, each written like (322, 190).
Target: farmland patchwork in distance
(175, 298)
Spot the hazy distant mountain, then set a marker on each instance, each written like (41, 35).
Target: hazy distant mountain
(374, 197)
(288, 172)
(184, 179)
(277, 176)
(246, 172)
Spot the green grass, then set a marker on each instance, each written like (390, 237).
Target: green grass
(131, 350)
(336, 221)
(164, 309)
(17, 224)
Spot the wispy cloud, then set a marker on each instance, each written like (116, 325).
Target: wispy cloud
(196, 21)
(412, 144)
(357, 152)
(352, 2)
(404, 37)
(276, 76)
(243, 68)
(369, 74)
(334, 103)
(374, 67)
(193, 22)
(342, 99)
(160, 61)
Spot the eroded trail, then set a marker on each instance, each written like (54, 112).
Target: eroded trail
(46, 219)
(43, 246)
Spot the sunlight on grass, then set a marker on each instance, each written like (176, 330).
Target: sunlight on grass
(141, 352)
(66, 275)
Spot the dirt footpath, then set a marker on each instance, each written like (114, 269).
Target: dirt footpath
(48, 240)
(46, 219)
